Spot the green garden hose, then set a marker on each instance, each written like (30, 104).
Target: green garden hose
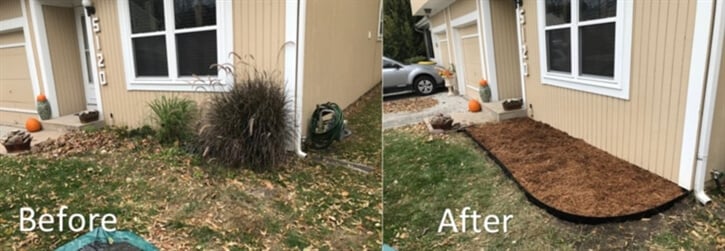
(327, 125)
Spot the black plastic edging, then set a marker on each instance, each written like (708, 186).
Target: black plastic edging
(574, 217)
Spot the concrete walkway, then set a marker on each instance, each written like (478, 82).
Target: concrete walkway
(38, 137)
(456, 106)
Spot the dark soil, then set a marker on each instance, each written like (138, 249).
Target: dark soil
(569, 175)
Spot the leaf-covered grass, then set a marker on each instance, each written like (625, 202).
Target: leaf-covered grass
(425, 174)
(364, 119)
(179, 202)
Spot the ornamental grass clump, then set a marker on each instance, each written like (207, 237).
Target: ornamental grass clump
(175, 117)
(249, 125)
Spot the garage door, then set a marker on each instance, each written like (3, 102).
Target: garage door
(471, 60)
(16, 90)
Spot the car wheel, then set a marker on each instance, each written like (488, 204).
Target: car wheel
(424, 85)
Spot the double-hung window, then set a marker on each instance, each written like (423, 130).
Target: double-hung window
(168, 42)
(585, 45)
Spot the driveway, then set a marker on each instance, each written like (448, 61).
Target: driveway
(456, 106)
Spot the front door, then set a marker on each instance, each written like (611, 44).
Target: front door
(87, 64)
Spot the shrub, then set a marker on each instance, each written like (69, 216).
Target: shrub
(175, 117)
(415, 60)
(249, 125)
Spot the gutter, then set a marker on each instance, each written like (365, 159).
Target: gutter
(708, 109)
(300, 80)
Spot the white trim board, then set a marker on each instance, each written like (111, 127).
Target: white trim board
(13, 45)
(10, 25)
(29, 53)
(28, 111)
(487, 49)
(438, 29)
(41, 41)
(465, 19)
(697, 80)
(290, 59)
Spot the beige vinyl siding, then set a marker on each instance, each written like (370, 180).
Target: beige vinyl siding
(255, 33)
(437, 19)
(462, 7)
(716, 156)
(10, 9)
(505, 43)
(645, 130)
(342, 67)
(259, 31)
(61, 31)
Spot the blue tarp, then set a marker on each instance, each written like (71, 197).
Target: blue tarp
(101, 240)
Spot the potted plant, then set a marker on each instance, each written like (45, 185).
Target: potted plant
(449, 74)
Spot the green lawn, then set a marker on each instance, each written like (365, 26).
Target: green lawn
(179, 202)
(425, 174)
(364, 120)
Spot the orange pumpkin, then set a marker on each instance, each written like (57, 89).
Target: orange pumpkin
(33, 125)
(483, 82)
(41, 98)
(474, 106)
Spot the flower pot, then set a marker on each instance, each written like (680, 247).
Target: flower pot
(485, 93)
(44, 111)
(512, 104)
(87, 116)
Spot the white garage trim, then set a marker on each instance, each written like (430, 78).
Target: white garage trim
(41, 41)
(29, 53)
(4, 109)
(469, 36)
(10, 25)
(487, 50)
(5, 46)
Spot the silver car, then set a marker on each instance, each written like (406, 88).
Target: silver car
(398, 77)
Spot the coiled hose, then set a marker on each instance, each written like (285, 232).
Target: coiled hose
(327, 125)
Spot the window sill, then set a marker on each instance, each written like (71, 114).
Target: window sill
(605, 87)
(178, 85)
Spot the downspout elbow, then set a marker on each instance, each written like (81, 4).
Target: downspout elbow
(299, 152)
(699, 190)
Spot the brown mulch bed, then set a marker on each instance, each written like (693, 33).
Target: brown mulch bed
(569, 175)
(409, 104)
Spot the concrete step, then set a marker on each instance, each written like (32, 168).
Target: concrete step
(68, 123)
(496, 111)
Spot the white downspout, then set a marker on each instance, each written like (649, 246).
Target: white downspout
(299, 87)
(709, 104)
(523, 71)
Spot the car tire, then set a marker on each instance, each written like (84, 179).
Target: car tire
(424, 85)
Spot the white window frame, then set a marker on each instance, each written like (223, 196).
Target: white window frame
(174, 82)
(617, 86)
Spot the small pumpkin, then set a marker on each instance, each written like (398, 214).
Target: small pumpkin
(33, 125)
(483, 82)
(41, 98)
(474, 106)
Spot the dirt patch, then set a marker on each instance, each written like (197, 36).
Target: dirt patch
(569, 175)
(409, 104)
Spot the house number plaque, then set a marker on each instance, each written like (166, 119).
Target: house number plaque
(100, 60)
